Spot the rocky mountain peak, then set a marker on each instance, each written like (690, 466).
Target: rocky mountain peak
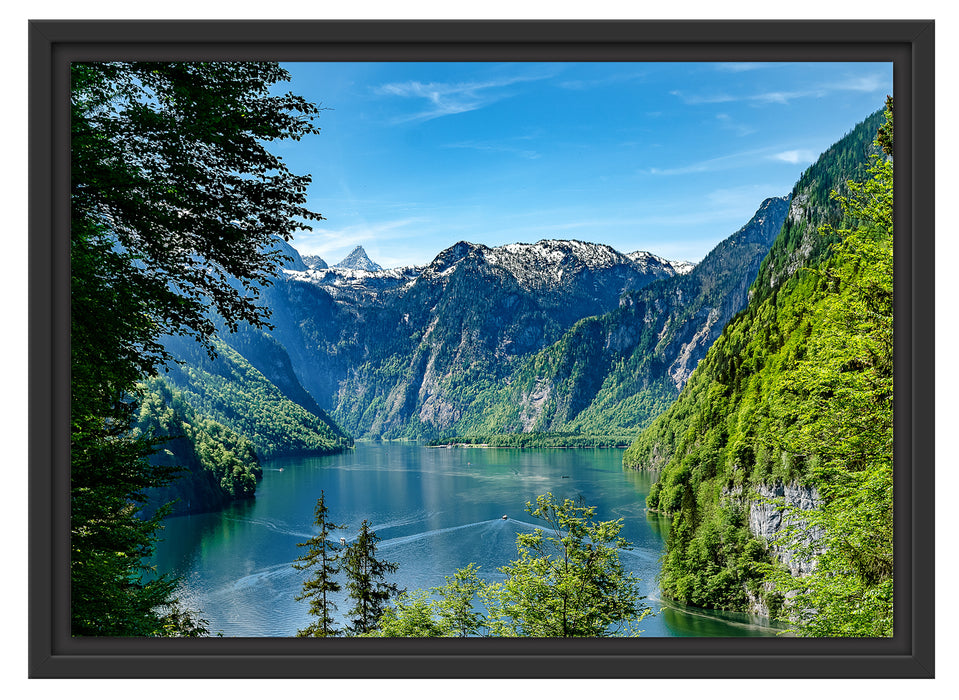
(314, 262)
(358, 260)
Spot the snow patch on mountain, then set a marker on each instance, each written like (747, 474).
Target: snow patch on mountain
(550, 263)
(646, 260)
(343, 283)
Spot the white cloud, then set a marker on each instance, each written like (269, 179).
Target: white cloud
(733, 160)
(611, 79)
(329, 242)
(785, 96)
(449, 98)
(740, 67)
(727, 122)
(795, 157)
(864, 83)
(703, 99)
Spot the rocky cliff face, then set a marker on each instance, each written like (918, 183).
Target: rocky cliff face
(314, 262)
(775, 510)
(772, 508)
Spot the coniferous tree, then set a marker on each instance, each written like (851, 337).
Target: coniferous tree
(366, 582)
(321, 558)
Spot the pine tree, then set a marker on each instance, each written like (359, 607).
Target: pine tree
(366, 582)
(321, 558)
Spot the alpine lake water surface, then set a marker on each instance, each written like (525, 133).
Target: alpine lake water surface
(434, 509)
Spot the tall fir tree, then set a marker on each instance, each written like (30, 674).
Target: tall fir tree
(321, 559)
(366, 582)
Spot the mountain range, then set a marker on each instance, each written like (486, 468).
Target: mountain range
(408, 352)
(552, 336)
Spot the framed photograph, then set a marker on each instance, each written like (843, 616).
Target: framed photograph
(481, 349)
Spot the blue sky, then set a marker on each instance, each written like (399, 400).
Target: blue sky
(665, 157)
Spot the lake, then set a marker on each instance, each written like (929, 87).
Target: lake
(434, 509)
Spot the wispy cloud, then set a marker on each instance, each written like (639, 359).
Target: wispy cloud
(795, 157)
(785, 96)
(867, 83)
(612, 79)
(444, 99)
(740, 129)
(862, 83)
(703, 99)
(739, 160)
(727, 162)
(329, 241)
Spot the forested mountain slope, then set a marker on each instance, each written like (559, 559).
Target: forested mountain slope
(793, 400)
(267, 407)
(614, 372)
(218, 465)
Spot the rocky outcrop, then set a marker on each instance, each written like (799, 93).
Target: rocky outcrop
(774, 510)
(696, 347)
(314, 262)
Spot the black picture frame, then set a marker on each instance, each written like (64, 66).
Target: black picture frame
(53, 653)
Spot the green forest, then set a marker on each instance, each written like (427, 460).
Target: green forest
(797, 389)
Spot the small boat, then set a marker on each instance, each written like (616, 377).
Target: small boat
(505, 517)
(565, 476)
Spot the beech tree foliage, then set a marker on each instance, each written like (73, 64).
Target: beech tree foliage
(174, 201)
(838, 402)
(568, 581)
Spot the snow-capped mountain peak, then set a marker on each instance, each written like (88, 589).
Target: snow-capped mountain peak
(645, 259)
(358, 260)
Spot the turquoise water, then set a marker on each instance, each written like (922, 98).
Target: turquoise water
(434, 509)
